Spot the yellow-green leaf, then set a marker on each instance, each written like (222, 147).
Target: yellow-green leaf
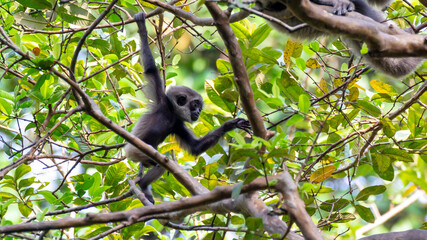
(354, 94)
(382, 87)
(322, 174)
(312, 63)
(388, 127)
(323, 85)
(382, 161)
(292, 49)
(304, 103)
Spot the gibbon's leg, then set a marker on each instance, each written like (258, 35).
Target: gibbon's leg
(364, 8)
(151, 176)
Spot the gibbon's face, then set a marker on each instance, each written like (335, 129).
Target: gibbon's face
(188, 104)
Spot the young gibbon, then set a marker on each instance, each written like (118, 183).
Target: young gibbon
(169, 112)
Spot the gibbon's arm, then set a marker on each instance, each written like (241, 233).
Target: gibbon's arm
(150, 70)
(197, 146)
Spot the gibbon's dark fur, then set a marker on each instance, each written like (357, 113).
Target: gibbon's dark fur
(167, 116)
(395, 67)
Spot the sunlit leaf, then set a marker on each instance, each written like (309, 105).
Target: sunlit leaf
(304, 103)
(24, 208)
(382, 87)
(260, 34)
(322, 174)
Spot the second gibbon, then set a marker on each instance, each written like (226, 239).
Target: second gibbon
(395, 67)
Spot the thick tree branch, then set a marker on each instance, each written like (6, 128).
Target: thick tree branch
(241, 77)
(382, 39)
(283, 184)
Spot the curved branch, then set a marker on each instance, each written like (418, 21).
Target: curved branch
(382, 39)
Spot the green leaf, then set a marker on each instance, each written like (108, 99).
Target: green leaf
(237, 220)
(6, 95)
(260, 34)
(315, 46)
(47, 88)
(5, 205)
(21, 171)
(176, 59)
(26, 182)
(397, 154)
(333, 205)
(33, 21)
(388, 128)
(365, 213)
(48, 196)
(223, 66)
(6, 106)
(369, 108)
(383, 162)
(115, 174)
(215, 97)
(368, 191)
(4, 196)
(24, 209)
(254, 224)
(240, 31)
(36, 4)
(40, 216)
(294, 119)
(300, 63)
(304, 103)
(388, 173)
(259, 56)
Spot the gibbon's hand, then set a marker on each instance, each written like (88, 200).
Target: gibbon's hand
(239, 123)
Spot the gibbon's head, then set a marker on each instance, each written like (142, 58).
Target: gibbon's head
(187, 103)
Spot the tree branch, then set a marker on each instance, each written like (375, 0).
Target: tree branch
(382, 39)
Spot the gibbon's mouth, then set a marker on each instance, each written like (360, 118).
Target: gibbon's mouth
(194, 116)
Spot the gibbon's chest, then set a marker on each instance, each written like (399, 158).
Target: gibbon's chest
(161, 124)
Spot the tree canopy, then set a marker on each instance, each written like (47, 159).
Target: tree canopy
(337, 150)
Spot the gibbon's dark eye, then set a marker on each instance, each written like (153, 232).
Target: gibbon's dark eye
(195, 104)
(181, 100)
